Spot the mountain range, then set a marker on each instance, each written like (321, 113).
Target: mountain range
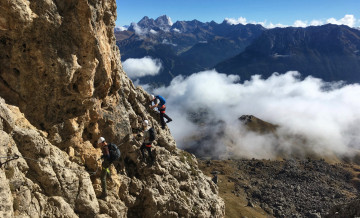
(330, 52)
(184, 47)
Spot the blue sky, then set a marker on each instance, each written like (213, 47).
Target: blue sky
(284, 12)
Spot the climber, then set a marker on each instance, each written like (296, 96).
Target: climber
(159, 102)
(148, 138)
(110, 153)
(215, 177)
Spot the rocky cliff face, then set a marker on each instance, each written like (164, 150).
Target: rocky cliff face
(60, 68)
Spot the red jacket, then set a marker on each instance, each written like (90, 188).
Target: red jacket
(105, 151)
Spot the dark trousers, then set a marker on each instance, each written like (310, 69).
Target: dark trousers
(162, 115)
(143, 146)
(104, 172)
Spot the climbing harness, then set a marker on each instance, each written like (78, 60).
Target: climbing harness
(106, 169)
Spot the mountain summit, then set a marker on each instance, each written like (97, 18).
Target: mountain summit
(163, 23)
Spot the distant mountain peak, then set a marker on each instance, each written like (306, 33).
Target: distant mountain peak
(164, 20)
(145, 18)
(163, 23)
(146, 22)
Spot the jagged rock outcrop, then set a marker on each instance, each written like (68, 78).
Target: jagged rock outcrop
(60, 67)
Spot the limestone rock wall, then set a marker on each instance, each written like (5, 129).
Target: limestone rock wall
(42, 181)
(61, 87)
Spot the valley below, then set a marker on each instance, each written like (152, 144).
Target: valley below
(286, 187)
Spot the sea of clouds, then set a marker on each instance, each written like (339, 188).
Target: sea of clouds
(313, 116)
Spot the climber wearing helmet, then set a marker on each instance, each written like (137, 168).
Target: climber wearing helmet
(159, 102)
(110, 153)
(148, 138)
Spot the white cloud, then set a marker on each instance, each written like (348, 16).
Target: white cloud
(271, 25)
(138, 30)
(316, 23)
(299, 23)
(145, 66)
(232, 21)
(170, 21)
(121, 28)
(348, 20)
(242, 20)
(166, 42)
(153, 32)
(176, 30)
(312, 115)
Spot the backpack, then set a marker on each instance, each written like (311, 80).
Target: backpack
(114, 152)
(162, 99)
(152, 134)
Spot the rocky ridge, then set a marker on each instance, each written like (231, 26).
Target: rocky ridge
(60, 68)
(329, 52)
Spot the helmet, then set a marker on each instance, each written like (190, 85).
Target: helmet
(152, 97)
(146, 122)
(101, 140)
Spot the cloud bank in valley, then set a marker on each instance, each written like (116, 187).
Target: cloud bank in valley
(121, 28)
(348, 20)
(146, 66)
(312, 115)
